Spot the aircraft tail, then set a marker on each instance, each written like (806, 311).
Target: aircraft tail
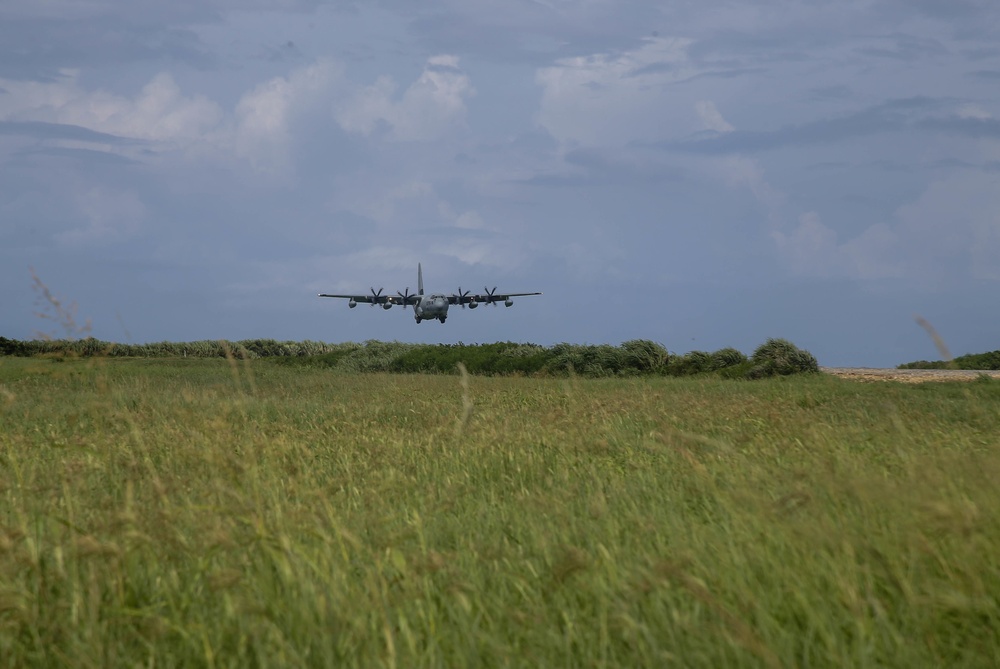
(420, 280)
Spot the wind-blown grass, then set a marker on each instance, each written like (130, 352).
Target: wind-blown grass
(242, 513)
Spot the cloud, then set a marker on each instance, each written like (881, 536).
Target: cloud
(968, 126)
(39, 47)
(615, 97)
(711, 118)
(431, 107)
(949, 233)
(263, 116)
(160, 117)
(159, 112)
(528, 31)
(43, 130)
(953, 229)
(892, 116)
(813, 249)
(906, 48)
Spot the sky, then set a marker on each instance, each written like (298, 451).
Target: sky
(702, 174)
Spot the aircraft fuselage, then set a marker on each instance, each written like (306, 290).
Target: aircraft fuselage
(431, 307)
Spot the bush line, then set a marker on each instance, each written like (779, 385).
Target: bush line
(976, 361)
(637, 357)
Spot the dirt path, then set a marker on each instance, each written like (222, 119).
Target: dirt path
(907, 375)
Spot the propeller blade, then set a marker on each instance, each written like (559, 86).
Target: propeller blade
(405, 295)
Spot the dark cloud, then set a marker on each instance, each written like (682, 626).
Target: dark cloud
(724, 74)
(84, 156)
(42, 130)
(968, 127)
(529, 31)
(906, 47)
(951, 165)
(741, 50)
(37, 49)
(835, 92)
(893, 116)
(598, 167)
(283, 53)
(88, 158)
(948, 9)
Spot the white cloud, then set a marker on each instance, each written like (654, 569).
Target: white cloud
(711, 118)
(470, 220)
(159, 112)
(613, 98)
(813, 249)
(953, 228)
(258, 131)
(950, 232)
(432, 106)
(973, 111)
(263, 116)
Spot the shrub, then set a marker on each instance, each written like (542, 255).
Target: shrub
(780, 357)
(12, 347)
(644, 356)
(694, 362)
(587, 360)
(727, 357)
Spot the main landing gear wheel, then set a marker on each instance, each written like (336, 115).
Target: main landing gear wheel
(418, 318)
(441, 319)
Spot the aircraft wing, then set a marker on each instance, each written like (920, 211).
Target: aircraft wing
(366, 299)
(485, 298)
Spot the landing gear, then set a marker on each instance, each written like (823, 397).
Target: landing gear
(442, 319)
(418, 318)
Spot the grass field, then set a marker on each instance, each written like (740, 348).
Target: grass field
(211, 513)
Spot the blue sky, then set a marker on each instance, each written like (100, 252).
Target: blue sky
(701, 174)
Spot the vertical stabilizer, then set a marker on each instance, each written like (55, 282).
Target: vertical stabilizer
(420, 280)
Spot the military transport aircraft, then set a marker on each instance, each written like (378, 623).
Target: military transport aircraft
(434, 306)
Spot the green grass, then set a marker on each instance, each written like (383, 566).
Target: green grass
(199, 512)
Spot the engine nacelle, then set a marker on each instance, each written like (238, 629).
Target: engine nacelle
(473, 304)
(352, 304)
(387, 305)
(509, 303)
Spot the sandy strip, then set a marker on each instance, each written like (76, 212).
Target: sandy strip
(907, 375)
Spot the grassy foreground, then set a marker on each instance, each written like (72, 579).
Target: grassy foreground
(208, 513)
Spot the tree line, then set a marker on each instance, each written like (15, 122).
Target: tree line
(636, 357)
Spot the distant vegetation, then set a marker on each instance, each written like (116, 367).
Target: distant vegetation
(984, 361)
(638, 357)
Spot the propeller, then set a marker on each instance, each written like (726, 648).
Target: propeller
(376, 297)
(489, 295)
(405, 296)
(462, 296)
